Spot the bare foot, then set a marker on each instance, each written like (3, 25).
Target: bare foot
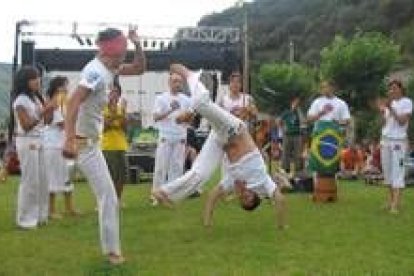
(73, 213)
(115, 259)
(162, 198)
(55, 216)
(394, 211)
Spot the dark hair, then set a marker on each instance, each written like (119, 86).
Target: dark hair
(21, 83)
(54, 85)
(252, 205)
(108, 34)
(397, 83)
(235, 74)
(331, 82)
(117, 84)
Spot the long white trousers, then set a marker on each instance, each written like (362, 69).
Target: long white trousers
(392, 160)
(92, 163)
(33, 194)
(203, 167)
(169, 161)
(57, 173)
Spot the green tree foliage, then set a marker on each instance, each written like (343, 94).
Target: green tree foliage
(410, 94)
(276, 84)
(312, 24)
(359, 66)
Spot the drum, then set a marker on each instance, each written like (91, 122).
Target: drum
(326, 146)
(325, 189)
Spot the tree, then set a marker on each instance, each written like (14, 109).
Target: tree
(277, 83)
(359, 65)
(410, 93)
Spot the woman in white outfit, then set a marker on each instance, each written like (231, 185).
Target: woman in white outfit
(30, 115)
(396, 113)
(57, 173)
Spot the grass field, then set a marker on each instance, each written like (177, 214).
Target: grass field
(351, 237)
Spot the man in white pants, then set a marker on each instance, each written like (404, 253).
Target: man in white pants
(170, 153)
(229, 136)
(84, 124)
(396, 113)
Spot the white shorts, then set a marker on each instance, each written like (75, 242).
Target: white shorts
(250, 168)
(392, 160)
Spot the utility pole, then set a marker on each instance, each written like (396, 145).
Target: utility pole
(17, 34)
(291, 52)
(246, 67)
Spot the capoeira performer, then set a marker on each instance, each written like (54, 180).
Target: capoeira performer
(84, 110)
(57, 167)
(170, 153)
(396, 113)
(31, 112)
(229, 136)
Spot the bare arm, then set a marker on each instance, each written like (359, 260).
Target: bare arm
(280, 209)
(212, 200)
(72, 109)
(25, 120)
(162, 116)
(139, 63)
(313, 118)
(401, 119)
(29, 123)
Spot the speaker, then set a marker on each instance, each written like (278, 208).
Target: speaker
(28, 56)
(231, 63)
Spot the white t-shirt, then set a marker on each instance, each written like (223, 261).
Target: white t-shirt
(252, 169)
(232, 104)
(97, 78)
(33, 109)
(167, 127)
(392, 129)
(54, 134)
(339, 109)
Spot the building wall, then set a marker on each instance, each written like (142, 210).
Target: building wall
(139, 91)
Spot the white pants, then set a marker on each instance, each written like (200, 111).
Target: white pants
(392, 160)
(33, 194)
(169, 161)
(57, 173)
(92, 163)
(203, 167)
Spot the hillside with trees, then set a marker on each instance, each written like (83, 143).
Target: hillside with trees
(312, 24)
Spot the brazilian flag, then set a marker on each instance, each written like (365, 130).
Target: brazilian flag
(326, 146)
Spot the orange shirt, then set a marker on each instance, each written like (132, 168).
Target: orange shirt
(352, 158)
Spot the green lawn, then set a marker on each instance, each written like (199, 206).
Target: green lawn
(351, 237)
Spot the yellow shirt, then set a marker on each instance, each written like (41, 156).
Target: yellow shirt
(113, 137)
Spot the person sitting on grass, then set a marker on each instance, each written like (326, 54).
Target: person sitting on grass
(352, 162)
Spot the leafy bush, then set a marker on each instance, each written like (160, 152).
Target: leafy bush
(276, 84)
(359, 65)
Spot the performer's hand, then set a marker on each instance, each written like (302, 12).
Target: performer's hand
(69, 149)
(327, 108)
(387, 103)
(175, 105)
(123, 105)
(133, 36)
(382, 105)
(184, 117)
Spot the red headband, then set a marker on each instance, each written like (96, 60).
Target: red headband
(113, 47)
